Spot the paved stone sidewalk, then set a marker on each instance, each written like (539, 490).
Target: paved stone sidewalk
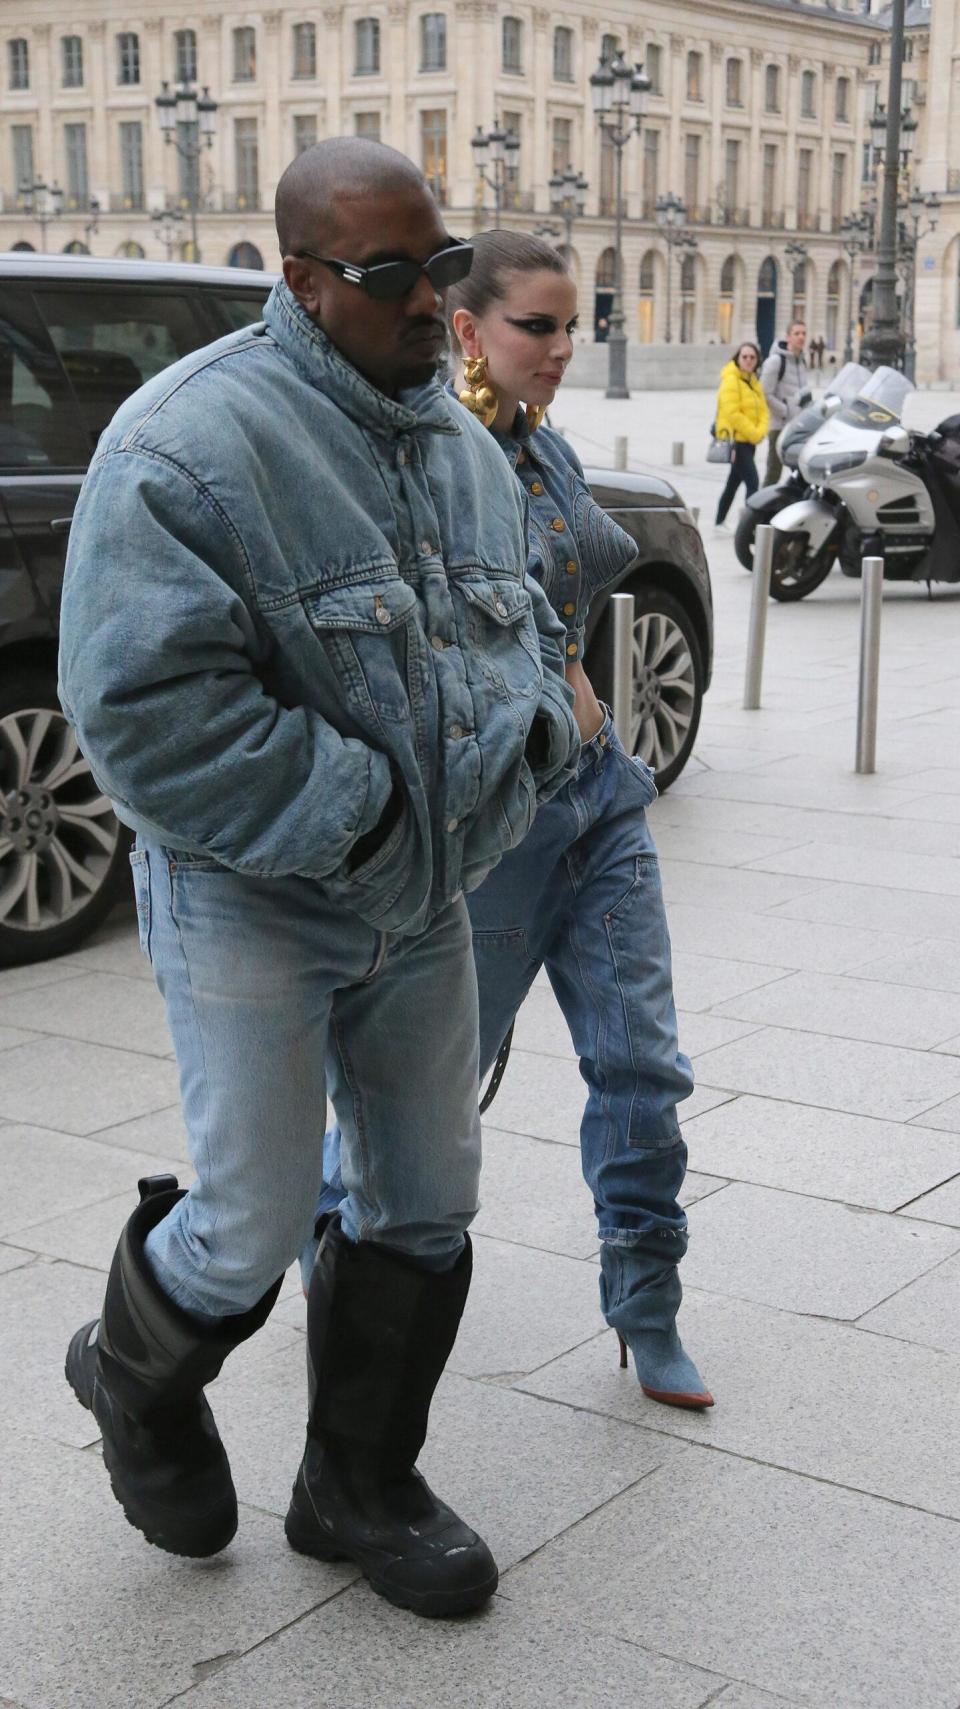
(798, 1545)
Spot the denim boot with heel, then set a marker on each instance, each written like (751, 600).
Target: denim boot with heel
(640, 1296)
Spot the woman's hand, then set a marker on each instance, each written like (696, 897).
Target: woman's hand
(586, 707)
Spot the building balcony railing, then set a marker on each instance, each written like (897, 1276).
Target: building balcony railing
(808, 222)
(241, 201)
(126, 201)
(520, 201)
(953, 180)
(774, 219)
(76, 202)
(732, 216)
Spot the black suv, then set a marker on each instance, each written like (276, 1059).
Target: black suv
(77, 336)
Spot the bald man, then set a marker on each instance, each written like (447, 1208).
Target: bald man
(300, 653)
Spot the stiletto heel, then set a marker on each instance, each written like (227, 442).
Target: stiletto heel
(623, 1350)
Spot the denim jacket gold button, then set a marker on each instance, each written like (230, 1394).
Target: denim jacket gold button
(284, 592)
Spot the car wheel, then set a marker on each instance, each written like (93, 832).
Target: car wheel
(63, 852)
(668, 683)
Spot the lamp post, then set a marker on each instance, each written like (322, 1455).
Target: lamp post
(795, 255)
(197, 115)
(911, 234)
(884, 341)
(568, 198)
(168, 224)
(499, 151)
(619, 102)
(670, 214)
(92, 225)
(41, 202)
(854, 239)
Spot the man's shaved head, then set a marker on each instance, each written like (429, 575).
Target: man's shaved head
(339, 170)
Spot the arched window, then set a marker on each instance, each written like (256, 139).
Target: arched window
(245, 255)
(771, 89)
(606, 276)
(562, 54)
(75, 247)
(609, 47)
(433, 41)
(607, 269)
(511, 37)
(688, 298)
(767, 278)
(727, 299)
(799, 309)
(648, 291)
(834, 287)
(131, 250)
(767, 304)
(23, 245)
(842, 101)
(694, 76)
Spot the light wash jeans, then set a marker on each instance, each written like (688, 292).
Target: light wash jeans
(274, 995)
(581, 896)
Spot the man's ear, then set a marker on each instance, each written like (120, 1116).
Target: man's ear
(301, 280)
(465, 328)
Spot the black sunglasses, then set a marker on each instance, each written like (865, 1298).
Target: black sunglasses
(392, 280)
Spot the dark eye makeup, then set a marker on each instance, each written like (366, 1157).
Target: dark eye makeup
(539, 326)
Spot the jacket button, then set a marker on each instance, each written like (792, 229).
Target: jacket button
(501, 608)
(452, 825)
(559, 524)
(437, 643)
(521, 458)
(426, 548)
(569, 609)
(572, 650)
(456, 731)
(536, 488)
(383, 615)
(571, 567)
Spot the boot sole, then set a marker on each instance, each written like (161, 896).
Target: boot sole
(692, 1402)
(431, 1605)
(160, 1538)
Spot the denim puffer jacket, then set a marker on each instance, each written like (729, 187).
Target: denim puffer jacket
(291, 603)
(575, 547)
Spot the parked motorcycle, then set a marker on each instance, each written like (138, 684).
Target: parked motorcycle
(866, 486)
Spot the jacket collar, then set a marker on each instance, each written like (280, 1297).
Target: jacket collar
(323, 366)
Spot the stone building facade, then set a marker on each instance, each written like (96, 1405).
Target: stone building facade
(756, 120)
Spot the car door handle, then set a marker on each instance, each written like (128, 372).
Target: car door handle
(60, 524)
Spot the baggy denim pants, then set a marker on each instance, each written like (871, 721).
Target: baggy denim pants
(274, 996)
(581, 896)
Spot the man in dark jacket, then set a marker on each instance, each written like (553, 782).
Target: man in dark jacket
(785, 378)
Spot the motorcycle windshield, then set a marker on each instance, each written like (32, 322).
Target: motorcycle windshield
(849, 382)
(888, 387)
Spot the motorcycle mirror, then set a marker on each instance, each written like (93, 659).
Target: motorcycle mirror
(830, 405)
(895, 442)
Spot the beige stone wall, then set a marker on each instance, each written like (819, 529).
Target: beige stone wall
(829, 43)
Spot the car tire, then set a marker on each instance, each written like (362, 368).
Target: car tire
(668, 683)
(63, 853)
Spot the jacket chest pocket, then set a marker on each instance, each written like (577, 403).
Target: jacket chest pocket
(502, 635)
(369, 636)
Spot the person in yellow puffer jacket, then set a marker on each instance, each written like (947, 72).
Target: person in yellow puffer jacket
(742, 416)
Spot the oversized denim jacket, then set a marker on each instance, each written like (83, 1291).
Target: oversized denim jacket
(287, 597)
(575, 547)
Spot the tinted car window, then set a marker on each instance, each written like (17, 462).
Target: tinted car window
(39, 429)
(112, 339)
(241, 308)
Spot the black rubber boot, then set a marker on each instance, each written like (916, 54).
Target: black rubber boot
(379, 1332)
(141, 1369)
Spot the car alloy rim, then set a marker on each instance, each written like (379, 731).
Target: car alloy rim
(58, 833)
(664, 689)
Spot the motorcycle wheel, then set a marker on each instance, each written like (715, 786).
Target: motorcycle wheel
(794, 573)
(743, 538)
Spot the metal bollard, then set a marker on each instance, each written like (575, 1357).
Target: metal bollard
(678, 449)
(759, 600)
(871, 605)
(622, 614)
(620, 452)
(695, 513)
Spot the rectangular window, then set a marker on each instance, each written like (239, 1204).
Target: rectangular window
(731, 177)
(185, 56)
(21, 141)
(304, 50)
(512, 38)
(128, 57)
(804, 187)
(609, 48)
(562, 55)
(691, 173)
(561, 145)
(734, 82)
(131, 163)
(433, 151)
(367, 124)
(71, 62)
(651, 172)
(75, 148)
(653, 66)
(366, 47)
(513, 125)
(304, 131)
(771, 89)
(838, 188)
(244, 54)
(18, 63)
(769, 184)
(247, 162)
(694, 76)
(808, 95)
(842, 101)
(433, 41)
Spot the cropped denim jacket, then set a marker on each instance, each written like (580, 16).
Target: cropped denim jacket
(292, 602)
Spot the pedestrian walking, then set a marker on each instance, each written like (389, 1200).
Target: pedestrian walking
(581, 896)
(742, 417)
(301, 658)
(785, 378)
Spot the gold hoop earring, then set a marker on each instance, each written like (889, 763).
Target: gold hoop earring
(535, 414)
(479, 396)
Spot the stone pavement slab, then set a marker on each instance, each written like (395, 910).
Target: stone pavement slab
(942, 1205)
(533, 1193)
(796, 1392)
(938, 874)
(810, 1068)
(806, 1255)
(102, 1008)
(71, 1087)
(932, 965)
(733, 934)
(699, 981)
(825, 1595)
(843, 1006)
(857, 1159)
(926, 1313)
(875, 907)
(945, 1116)
(521, 1302)
(41, 1304)
(58, 1172)
(162, 1130)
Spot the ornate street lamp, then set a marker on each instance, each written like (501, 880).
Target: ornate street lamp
(795, 255)
(568, 198)
(671, 215)
(619, 95)
(41, 202)
(884, 343)
(168, 223)
(189, 122)
(912, 231)
(855, 237)
(495, 155)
